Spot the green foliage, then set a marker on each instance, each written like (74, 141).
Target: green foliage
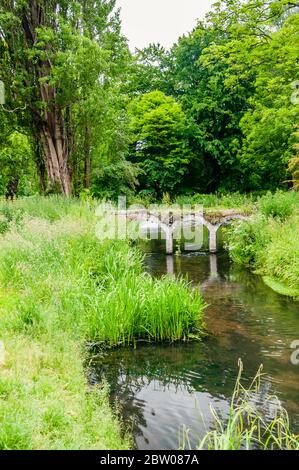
(281, 204)
(9, 216)
(261, 50)
(114, 179)
(134, 306)
(294, 163)
(122, 305)
(270, 243)
(234, 76)
(158, 127)
(280, 260)
(51, 208)
(215, 113)
(220, 201)
(64, 66)
(16, 158)
(246, 240)
(151, 71)
(214, 110)
(60, 287)
(47, 406)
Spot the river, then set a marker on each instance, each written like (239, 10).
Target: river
(158, 389)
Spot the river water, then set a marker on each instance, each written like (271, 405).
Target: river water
(158, 389)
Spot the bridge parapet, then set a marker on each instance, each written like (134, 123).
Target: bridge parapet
(169, 221)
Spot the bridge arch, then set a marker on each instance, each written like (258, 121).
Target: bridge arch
(184, 220)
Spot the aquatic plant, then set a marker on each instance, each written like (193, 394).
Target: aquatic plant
(246, 428)
(143, 308)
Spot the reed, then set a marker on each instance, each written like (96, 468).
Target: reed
(141, 308)
(246, 428)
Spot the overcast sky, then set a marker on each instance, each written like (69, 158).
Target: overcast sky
(163, 21)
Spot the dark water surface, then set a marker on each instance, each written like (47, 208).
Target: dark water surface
(160, 388)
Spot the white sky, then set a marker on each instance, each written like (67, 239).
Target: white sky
(163, 21)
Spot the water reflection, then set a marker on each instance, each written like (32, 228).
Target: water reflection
(159, 388)
(170, 265)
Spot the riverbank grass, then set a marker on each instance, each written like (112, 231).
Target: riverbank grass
(45, 402)
(281, 288)
(269, 244)
(60, 287)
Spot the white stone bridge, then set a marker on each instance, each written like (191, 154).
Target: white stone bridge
(170, 221)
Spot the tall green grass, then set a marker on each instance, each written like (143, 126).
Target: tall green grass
(142, 308)
(246, 428)
(99, 291)
(50, 208)
(269, 243)
(280, 205)
(44, 398)
(59, 288)
(220, 201)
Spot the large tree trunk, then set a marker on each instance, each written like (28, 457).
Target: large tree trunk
(52, 129)
(54, 135)
(40, 165)
(56, 157)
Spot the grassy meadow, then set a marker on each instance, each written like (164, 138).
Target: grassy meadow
(60, 288)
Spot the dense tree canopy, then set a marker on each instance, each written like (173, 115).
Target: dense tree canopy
(216, 112)
(214, 108)
(160, 146)
(261, 49)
